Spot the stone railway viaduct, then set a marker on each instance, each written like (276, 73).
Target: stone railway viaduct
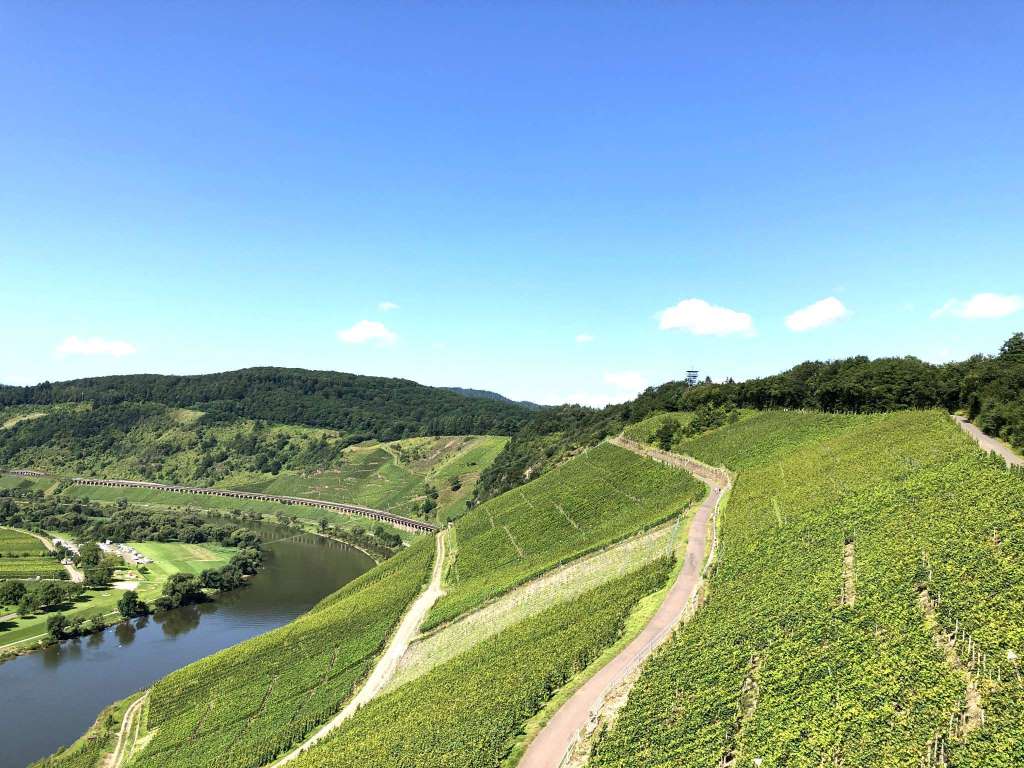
(405, 523)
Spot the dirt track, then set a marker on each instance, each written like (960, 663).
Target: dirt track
(553, 741)
(388, 662)
(990, 444)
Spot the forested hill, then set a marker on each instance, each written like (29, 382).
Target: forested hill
(488, 395)
(365, 406)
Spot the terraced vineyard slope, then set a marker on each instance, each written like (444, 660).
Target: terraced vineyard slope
(865, 609)
(467, 711)
(601, 496)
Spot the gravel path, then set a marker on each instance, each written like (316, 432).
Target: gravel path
(990, 444)
(553, 741)
(388, 662)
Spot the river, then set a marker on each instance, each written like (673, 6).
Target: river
(49, 698)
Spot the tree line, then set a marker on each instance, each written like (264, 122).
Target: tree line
(990, 389)
(363, 407)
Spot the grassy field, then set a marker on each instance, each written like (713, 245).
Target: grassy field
(23, 556)
(12, 482)
(565, 583)
(172, 557)
(468, 711)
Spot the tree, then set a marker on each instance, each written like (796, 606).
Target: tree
(182, 589)
(56, 625)
(90, 555)
(51, 593)
(11, 592)
(321, 524)
(99, 575)
(130, 605)
(27, 605)
(666, 434)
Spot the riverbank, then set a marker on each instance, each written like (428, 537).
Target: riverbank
(97, 606)
(298, 572)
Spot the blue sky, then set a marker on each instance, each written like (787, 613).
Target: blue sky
(193, 187)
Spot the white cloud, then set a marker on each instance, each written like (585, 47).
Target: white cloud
(368, 330)
(816, 315)
(387, 306)
(631, 381)
(94, 346)
(703, 319)
(626, 386)
(584, 338)
(981, 306)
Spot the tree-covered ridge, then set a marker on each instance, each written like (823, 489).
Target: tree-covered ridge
(989, 388)
(363, 407)
(864, 610)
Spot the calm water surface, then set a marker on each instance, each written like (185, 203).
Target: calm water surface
(49, 698)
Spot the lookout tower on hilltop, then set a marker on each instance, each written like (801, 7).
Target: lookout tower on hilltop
(691, 378)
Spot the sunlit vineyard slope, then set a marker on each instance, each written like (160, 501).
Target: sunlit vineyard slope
(866, 608)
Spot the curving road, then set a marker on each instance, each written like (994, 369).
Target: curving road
(553, 741)
(990, 444)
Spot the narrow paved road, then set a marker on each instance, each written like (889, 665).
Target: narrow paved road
(990, 444)
(388, 662)
(551, 743)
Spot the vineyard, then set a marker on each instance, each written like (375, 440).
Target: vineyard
(243, 706)
(25, 557)
(866, 608)
(558, 585)
(467, 711)
(600, 496)
(19, 544)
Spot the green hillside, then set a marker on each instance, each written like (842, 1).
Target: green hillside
(155, 442)
(362, 407)
(866, 607)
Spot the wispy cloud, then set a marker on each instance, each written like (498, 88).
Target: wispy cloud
(584, 338)
(625, 385)
(95, 346)
(816, 315)
(981, 306)
(703, 319)
(368, 330)
(387, 306)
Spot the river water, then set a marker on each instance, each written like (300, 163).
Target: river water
(49, 698)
